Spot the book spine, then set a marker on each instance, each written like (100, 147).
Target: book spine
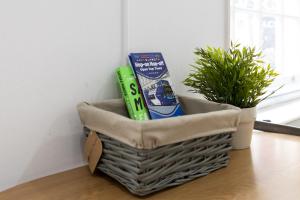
(124, 95)
(138, 85)
(131, 95)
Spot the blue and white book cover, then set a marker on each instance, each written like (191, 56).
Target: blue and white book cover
(154, 79)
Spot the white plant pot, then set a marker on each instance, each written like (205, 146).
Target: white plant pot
(241, 139)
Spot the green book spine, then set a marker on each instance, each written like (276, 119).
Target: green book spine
(131, 94)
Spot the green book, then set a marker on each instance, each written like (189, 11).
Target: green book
(131, 94)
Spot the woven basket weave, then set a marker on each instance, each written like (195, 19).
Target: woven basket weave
(144, 171)
(151, 155)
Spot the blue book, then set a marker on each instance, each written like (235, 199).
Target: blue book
(154, 80)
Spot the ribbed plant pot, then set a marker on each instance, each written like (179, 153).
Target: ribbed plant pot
(241, 139)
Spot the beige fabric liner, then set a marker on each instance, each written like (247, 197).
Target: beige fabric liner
(202, 118)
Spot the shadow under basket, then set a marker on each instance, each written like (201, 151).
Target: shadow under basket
(186, 148)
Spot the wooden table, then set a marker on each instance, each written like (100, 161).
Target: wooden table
(269, 170)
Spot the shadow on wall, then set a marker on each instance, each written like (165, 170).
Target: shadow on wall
(59, 150)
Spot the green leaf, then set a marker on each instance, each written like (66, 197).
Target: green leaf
(236, 76)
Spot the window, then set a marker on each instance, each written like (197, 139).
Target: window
(274, 27)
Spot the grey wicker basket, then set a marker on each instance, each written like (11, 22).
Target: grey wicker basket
(144, 171)
(152, 155)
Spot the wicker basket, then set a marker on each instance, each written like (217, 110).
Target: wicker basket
(146, 170)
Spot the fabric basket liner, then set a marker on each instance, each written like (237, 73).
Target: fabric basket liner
(203, 118)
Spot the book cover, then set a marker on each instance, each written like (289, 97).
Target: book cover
(154, 79)
(131, 94)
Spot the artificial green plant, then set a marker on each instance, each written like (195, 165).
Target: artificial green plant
(236, 76)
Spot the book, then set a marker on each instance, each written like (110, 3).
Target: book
(154, 80)
(130, 92)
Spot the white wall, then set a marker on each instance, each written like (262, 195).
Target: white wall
(176, 28)
(54, 54)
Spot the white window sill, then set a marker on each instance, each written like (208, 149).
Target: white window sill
(280, 113)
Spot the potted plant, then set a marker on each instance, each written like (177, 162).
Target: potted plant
(237, 76)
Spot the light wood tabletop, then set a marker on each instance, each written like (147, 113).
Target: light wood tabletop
(270, 169)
